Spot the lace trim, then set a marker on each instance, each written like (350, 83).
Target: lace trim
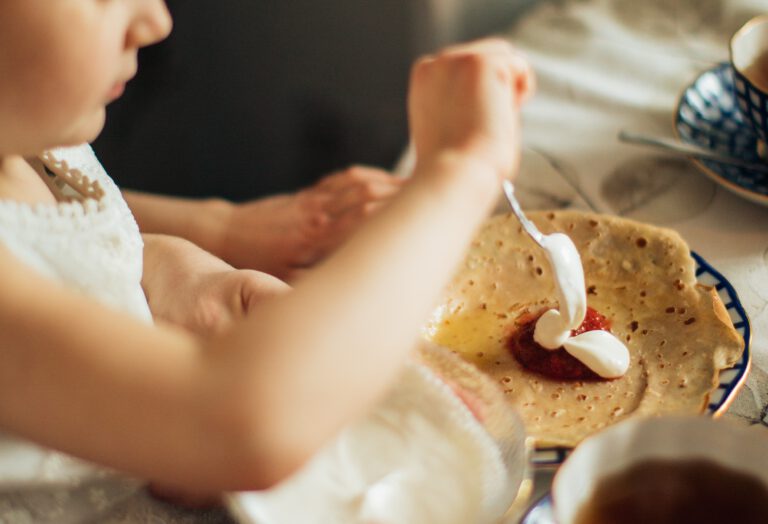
(96, 196)
(72, 177)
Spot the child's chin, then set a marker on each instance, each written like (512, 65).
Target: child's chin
(86, 132)
(95, 127)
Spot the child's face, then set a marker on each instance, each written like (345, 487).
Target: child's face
(63, 61)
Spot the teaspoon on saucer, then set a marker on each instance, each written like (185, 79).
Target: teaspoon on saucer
(689, 150)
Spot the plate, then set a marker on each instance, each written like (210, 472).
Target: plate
(708, 116)
(729, 381)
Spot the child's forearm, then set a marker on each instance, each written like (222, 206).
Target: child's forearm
(328, 349)
(305, 364)
(191, 288)
(201, 221)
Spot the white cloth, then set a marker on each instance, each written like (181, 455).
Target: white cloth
(96, 248)
(419, 457)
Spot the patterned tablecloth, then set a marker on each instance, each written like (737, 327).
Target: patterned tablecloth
(610, 65)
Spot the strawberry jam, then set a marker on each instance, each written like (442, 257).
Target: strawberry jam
(557, 363)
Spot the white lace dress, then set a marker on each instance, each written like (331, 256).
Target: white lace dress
(94, 246)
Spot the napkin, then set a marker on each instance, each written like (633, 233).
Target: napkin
(420, 456)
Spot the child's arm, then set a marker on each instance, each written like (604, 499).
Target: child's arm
(189, 287)
(246, 408)
(280, 235)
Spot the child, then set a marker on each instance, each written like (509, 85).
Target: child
(276, 373)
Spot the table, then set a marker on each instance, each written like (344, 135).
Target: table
(608, 65)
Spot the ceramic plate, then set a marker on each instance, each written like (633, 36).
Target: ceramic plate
(730, 380)
(708, 116)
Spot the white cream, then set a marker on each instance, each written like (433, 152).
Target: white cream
(600, 351)
(554, 327)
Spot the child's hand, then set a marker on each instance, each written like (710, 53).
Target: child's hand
(208, 303)
(465, 101)
(284, 234)
(179, 497)
(193, 289)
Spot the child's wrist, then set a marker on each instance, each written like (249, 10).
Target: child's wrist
(210, 225)
(476, 175)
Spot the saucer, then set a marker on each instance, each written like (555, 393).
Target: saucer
(708, 116)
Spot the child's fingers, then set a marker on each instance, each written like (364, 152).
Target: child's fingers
(483, 45)
(521, 74)
(355, 197)
(356, 175)
(182, 498)
(339, 192)
(338, 228)
(525, 85)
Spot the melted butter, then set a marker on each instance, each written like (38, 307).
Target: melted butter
(470, 334)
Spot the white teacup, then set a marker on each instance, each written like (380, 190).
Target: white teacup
(620, 447)
(749, 59)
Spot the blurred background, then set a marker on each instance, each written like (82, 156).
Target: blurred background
(253, 97)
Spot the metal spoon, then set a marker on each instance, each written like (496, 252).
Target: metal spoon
(528, 226)
(564, 261)
(690, 150)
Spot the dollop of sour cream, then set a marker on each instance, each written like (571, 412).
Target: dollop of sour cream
(600, 351)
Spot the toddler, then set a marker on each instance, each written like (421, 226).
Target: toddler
(240, 380)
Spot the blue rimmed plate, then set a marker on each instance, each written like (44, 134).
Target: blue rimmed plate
(708, 116)
(730, 380)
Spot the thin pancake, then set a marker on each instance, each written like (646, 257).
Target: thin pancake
(641, 277)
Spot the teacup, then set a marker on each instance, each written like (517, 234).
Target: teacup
(749, 59)
(666, 469)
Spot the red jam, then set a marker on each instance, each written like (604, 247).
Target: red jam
(558, 363)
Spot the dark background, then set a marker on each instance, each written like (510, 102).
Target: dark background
(253, 97)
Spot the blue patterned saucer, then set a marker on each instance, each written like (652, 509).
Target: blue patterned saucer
(708, 116)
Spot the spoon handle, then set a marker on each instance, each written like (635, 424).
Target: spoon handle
(689, 149)
(528, 226)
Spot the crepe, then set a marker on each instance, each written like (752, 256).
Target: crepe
(641, 277)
